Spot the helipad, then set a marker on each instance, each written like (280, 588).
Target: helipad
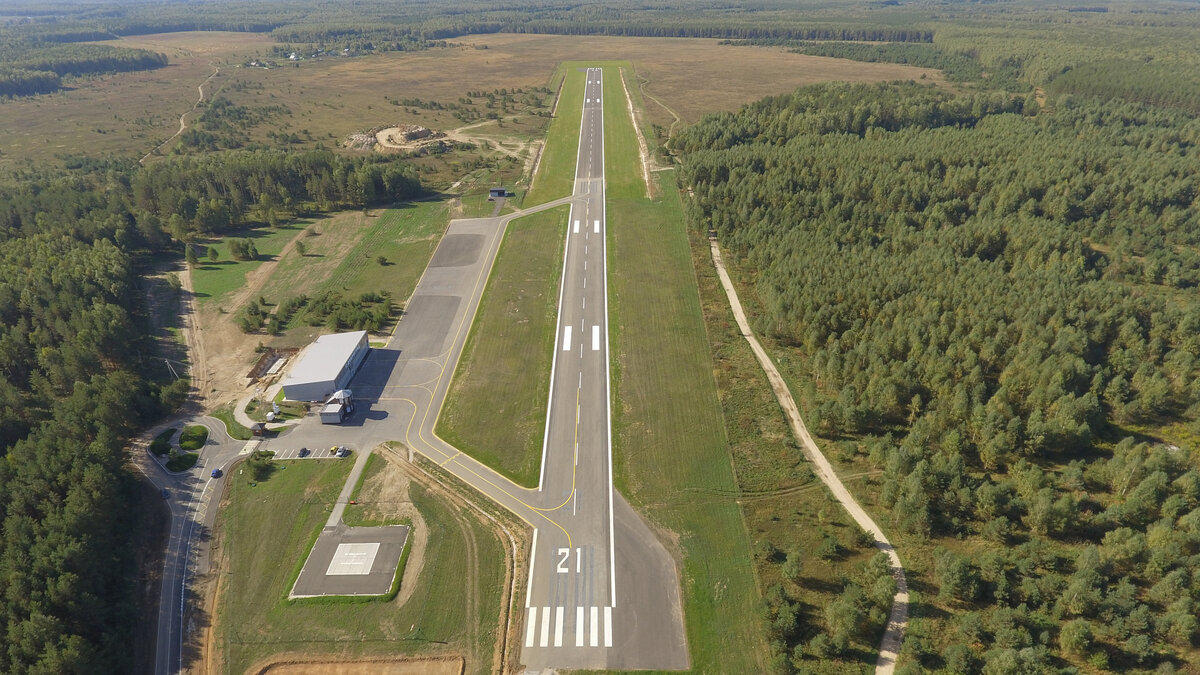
(352, 561)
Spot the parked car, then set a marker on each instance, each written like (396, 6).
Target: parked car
(164, 493)
(304, 452)
(343, 452)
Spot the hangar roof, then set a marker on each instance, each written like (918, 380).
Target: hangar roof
(324, 358)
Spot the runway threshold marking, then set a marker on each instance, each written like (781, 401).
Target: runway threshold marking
(595, 625)
(579, 626)
(531, 626)
(558, 626)
(608, 626)
(545, 626)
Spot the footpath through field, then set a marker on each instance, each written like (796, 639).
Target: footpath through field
(889, 647)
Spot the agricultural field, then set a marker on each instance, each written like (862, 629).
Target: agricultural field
(435, 613)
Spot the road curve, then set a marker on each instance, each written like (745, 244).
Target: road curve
(889, 647)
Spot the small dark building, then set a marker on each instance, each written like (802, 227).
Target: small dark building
(258, 429)
(497, 193)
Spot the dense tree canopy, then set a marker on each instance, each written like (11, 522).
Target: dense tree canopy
(77, 375)
(983, 296)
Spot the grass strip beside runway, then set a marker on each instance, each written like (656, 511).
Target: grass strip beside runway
(556, 173)
(671, 451)
(496, 408)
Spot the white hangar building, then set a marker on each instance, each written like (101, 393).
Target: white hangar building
(326, 366)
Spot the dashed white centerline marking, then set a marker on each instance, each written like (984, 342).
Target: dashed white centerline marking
(595, 338)
(567, 339)
(558, 626)
(579, 626)
(545, 626)
(608, 626)
(595, 626)
(530, 626)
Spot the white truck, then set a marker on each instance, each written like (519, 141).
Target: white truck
(337, 407)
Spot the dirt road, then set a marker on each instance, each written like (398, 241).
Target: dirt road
(889, 647)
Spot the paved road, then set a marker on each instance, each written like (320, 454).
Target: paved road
(189, 497)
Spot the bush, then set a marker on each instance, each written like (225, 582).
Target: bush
(161, 444)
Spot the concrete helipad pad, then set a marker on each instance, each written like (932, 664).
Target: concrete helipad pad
(352, 561)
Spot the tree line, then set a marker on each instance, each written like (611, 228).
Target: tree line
(984, 300)
(27, 69)
(80, 374)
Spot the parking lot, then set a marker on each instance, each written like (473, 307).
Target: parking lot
(304, 452)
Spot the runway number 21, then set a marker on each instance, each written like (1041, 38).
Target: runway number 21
(565, 553)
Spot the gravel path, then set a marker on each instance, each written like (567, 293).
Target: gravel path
(889, 647)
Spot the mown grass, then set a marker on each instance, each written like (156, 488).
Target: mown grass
(556, 173)
(232, 427)
(671, 450)
(193, 437)
(214, 280)
(496, 407)
(182, 462)
(264, 533)
(341, 254)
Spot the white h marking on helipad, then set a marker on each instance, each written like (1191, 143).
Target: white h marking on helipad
(558, 626)
(545, 626)
(567, 339)
(531, 626)
(595, 338)
(595, 626)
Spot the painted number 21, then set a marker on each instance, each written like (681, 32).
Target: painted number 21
(563, 555)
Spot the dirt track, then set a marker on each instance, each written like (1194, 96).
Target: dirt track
(889, 647)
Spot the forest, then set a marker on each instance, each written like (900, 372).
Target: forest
(79, 375)
(996, 307)
(28, 68)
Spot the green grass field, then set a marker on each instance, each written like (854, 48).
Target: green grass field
(235, 430)
(214, 280)
(556, 174)
(266, 531)
(496, 408)
(193, 437)
(341, 252)
(671, 450)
